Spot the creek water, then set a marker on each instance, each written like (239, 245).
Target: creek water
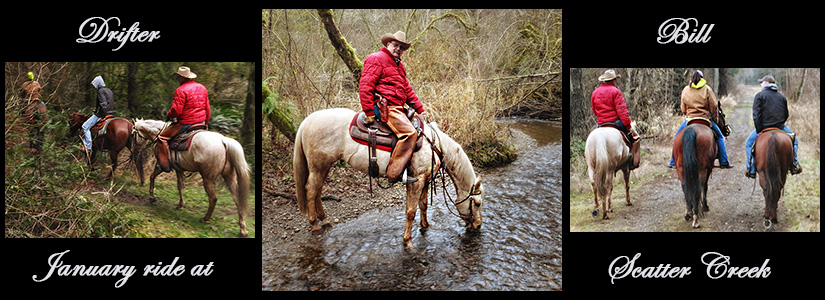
(518, 247)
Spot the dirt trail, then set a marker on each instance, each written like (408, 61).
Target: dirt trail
(736, 204)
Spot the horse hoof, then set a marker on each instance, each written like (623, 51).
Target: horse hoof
(688, 218)
(315, 227)
(244, 233)
(595, 213)
(767, 224)
(629, 204)
(409, 245)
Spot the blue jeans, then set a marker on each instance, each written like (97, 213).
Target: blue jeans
(720, 142)
(752, 140)
(619, 124)
(87, 135)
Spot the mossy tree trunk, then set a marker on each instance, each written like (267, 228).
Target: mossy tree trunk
(341, 45)
(279, 117)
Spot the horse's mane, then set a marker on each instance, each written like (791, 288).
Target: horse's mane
(456, 162)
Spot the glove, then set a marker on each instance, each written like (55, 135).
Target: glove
(369, 119)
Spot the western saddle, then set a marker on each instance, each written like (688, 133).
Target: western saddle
(378, 135)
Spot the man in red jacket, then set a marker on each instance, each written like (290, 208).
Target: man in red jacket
(190, 105)
(384, 76)
(609, 106)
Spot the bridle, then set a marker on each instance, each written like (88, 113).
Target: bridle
(440, 172)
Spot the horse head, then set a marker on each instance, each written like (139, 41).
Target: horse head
(75, 122)
(469, 209)
(148, 129)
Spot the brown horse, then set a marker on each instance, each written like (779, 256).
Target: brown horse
(606, 153)
(694, 150)
(772, 158)
(117, 137)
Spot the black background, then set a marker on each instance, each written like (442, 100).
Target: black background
(595, 36)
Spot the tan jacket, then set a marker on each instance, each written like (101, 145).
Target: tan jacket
(698, 101)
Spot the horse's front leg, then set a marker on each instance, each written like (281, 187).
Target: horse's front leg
(181, 186)
(152, 183)
(413, 197)
(92, 158)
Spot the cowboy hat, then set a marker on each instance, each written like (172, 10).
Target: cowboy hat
(399, 36)
(185, 72)
(609, 75)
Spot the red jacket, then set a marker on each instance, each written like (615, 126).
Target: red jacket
(608, 105)
(190, 104)
(382, 75)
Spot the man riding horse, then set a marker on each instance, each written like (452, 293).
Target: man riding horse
(699, 102)
(190, 105)
(610, 109)
(384, 78)
(105, 106)
(770, 109)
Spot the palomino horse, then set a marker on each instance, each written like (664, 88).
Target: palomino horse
(116, 138)
(212, 155)
(323, 138)
(773, 158)
(606, 153)
(694, 150)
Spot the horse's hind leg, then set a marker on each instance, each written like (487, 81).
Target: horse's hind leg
(209, 187)
(315, 209)
(595, 212)
(232, 184)
(181, 186)
(113, 154)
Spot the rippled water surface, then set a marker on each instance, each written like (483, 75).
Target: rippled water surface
(518, 247)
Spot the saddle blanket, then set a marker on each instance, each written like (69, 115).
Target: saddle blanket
(102, 124)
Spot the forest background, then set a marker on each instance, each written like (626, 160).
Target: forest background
(468, 67)
(53, 193)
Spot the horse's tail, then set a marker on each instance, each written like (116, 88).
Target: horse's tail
(300, 173)
(690, 172)
(235, 155)
(602, 168)
(774, 183)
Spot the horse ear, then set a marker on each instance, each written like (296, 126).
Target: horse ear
(478, 183)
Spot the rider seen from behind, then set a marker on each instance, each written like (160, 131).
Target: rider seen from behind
(699, 102)
(610, 109)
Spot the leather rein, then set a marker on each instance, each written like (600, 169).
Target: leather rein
(440, 173)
